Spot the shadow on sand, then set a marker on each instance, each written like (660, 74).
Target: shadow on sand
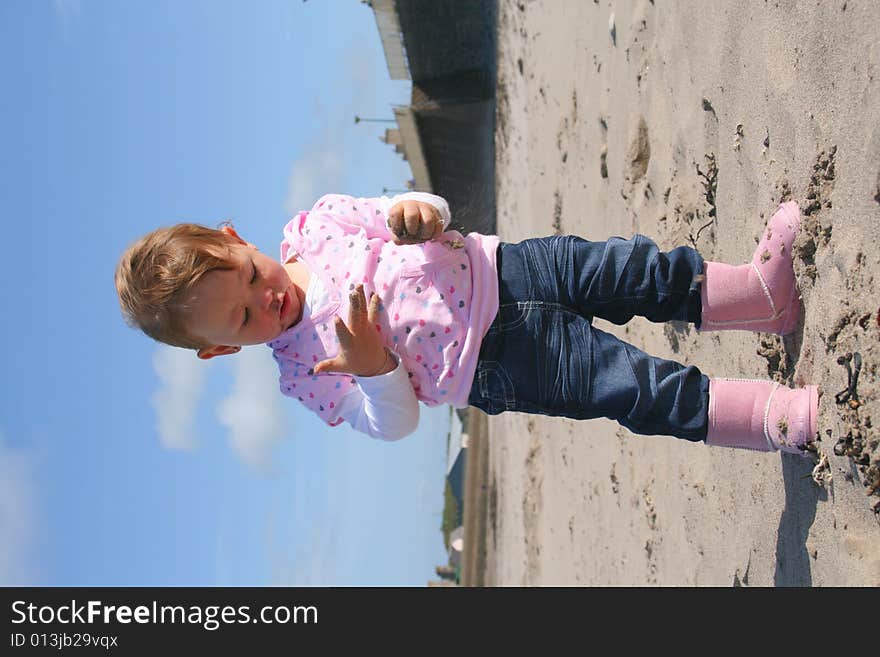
(801, 499)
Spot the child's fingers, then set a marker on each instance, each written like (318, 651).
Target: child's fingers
(373, 309)
(432, 222)
(342, 331)
(329, 365)
(413, 220)
(438, 230)
(396, 223)
(357, 306)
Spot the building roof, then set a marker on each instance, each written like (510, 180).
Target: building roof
(392, 38)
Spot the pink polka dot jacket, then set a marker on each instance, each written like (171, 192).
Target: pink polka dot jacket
(437, 302)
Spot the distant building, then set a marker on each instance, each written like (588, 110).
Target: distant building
(451, 572)
(446, 133)
(456, 461)
(456, 547)
(445, 572)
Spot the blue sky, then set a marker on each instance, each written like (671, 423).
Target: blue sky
(123, 462)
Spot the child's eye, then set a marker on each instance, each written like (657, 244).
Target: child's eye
(253, 280)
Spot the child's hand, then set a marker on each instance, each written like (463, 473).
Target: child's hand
(414, 222)
(361, 351)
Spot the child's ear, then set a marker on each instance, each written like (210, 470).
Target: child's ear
(220, 350)
(229, 230)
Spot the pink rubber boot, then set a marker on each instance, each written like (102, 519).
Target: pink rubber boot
(761, 415)
(759, 296)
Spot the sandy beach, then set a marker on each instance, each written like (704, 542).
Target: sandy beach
(679, 109)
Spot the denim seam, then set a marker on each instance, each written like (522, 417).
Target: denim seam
(527, 307)
(493, 366)
(510, 400)
(635, 243)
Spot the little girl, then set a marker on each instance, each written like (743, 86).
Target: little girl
(470, 320)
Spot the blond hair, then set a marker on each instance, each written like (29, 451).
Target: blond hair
(156, 275)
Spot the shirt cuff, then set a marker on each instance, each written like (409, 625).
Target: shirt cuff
(380, 382)
(383, 406)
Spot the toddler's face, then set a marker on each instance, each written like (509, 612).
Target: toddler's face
(252, 303)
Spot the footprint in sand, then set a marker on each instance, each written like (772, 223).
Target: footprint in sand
(603, 153)
(813, 232)
(557, 213)
(821, 184)
(638, 155)
(532, 507)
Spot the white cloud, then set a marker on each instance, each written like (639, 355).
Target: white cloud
(182, 380)
(254, 411)
(17, 515)
(328, 160)
(318, 170)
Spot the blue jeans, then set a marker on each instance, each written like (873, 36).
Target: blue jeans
(542, 354)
